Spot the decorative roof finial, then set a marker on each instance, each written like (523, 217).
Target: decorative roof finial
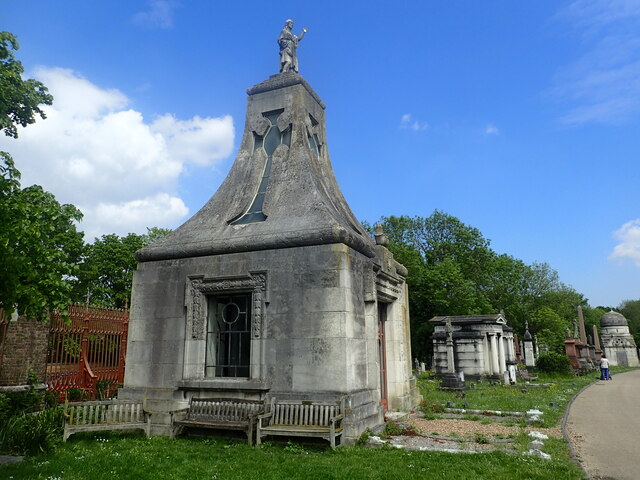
(381, 238)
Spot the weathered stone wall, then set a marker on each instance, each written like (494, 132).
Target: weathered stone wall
(314, 336)
(25, 351)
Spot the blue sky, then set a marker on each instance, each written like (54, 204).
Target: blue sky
(520, 118)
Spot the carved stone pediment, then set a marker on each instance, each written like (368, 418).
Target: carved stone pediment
(388, 287)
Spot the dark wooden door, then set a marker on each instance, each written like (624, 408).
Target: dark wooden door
(382, 354)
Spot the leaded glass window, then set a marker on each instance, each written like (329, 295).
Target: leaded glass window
(228, 336)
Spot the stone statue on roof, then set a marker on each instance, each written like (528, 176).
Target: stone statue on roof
(449, 329)
(288, 43)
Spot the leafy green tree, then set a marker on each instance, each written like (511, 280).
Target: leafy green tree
(453, 271)
(39, 243)
(549, 328)
(447, 263)
(39, 247)
(631, 310)
(106, 273)
(20, 99)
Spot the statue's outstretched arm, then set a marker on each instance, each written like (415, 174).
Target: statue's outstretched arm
(304, 30)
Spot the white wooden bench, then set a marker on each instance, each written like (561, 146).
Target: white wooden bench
(220, 414)
(105, 415)
(302, 418)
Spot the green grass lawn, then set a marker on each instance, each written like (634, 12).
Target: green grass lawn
(120, 456)
(135, 457)
(513, 398)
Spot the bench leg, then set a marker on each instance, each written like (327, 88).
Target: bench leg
(250, 434)
(332, 435)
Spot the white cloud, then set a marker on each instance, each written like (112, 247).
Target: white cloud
(604, 84)
(629, 242)
(94, 152)
(199, 140)
(491, 129)
(158, 15)
(128, 216)
(407, 122)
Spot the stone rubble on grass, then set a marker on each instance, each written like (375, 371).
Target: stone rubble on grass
(539, 453)
(536, 445)
(538, 435)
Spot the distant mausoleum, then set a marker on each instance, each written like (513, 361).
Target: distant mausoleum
(617, 342)
(483, 346)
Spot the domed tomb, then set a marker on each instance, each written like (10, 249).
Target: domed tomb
(613, 319)
(617, 343)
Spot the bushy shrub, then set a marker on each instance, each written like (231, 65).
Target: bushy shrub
(553, 363)
(13, 404)
(31, 433)
(77, 394)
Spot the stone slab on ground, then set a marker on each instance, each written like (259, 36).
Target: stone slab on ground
(424, 444)
(4, 459)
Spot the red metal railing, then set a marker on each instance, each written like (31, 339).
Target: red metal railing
(87, 353)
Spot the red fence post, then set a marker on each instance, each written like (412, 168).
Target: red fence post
(123, 346)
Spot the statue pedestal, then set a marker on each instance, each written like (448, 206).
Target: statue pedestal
(451, 381)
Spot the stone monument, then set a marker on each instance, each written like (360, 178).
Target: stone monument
(450, 380)
(482, 345)
(579, 349)
(529, 353)
(617, 343)
(273, 288)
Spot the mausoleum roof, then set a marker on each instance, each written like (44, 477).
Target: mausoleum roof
(281, 190)
(467, 319)
(613, 319)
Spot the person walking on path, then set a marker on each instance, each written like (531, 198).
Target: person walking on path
(604, 368)
(602, 426)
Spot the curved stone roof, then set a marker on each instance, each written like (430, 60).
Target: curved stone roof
(613, 319)
(281, 191)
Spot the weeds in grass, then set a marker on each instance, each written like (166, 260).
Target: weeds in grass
(473, 418)
(431, 407)
(363, 438)
(481, 438)
(392, 429)
(295, 448)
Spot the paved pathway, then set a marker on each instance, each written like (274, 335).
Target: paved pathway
(604, 428)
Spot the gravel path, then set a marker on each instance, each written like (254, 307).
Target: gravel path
(470, 428)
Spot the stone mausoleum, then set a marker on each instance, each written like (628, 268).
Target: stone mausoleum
(483, 346)
(617, 343)
(273, 288)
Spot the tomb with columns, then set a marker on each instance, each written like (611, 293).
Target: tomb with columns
(483, 346)
(273, 288)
